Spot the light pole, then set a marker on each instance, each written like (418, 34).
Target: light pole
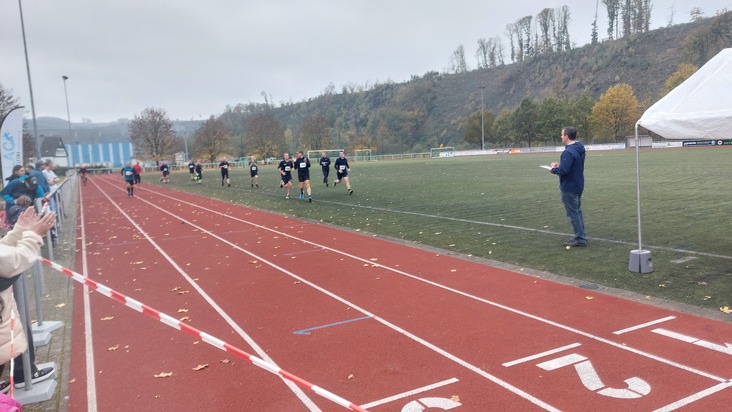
(68, 115)
(482, 123)
(30, 85)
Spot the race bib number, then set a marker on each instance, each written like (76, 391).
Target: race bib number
(303, 165)
(225, 166)
(287, 168)
(342, 167)
(254, 168)
(128, 173)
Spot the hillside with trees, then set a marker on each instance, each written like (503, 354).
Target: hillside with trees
(525, 102)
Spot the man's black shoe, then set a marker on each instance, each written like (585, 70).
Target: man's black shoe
(574, 243)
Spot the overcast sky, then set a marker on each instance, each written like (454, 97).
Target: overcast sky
(193, 58)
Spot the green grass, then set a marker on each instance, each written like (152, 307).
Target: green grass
(506, 208)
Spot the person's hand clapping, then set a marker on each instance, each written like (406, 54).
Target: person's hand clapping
(40, 225)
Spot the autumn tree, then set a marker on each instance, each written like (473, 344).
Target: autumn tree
(562, 40)
(211, 140)
(315, 133)
(476, 129)
(616, 112)
(265, 137)
(502, 128)
(152, 135)
(683, 72)
(524, 121)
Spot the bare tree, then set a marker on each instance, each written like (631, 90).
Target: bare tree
(7, 101)
(563, 42)
(211, 140)
(547, 29)
(481, 54)
(457, 60)
(500, 51)
(613, 8)
(511, 33)
(152, 135)
(696, 14)
(525, 25)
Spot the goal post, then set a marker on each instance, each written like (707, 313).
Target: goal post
(363, 155)
(315, 155)
(440, 152)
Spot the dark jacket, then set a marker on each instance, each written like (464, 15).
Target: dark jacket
(571, 168)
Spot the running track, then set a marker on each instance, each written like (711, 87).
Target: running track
(386, 326)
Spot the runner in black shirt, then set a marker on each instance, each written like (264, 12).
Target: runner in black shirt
(342, 168)
(192, 170)
(302, 164)
(254, 172)
(285, 168)
(165, 171)
(224, 165)
(325, 163)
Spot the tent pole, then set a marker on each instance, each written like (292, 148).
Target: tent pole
(640, 260)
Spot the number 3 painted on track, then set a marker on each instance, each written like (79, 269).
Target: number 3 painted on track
(424, 403)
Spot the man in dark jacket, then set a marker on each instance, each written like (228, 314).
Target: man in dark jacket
(571, 172)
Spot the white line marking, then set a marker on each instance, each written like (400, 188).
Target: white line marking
(644, 325)
(674, 335)
(684, 259)
(91, 382)
(541, 355)
(566, 360)
(695, 397)
(410, 393)
(262, 354)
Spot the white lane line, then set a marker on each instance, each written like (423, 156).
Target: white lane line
(541, 355)
(695, 397)
(410, 393)
(91, 382)
(261, 352)
(465, 294)
(644, 325)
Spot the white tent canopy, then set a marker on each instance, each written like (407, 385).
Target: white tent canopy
(699, 108)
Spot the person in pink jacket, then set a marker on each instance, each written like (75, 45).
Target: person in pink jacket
(18, 251)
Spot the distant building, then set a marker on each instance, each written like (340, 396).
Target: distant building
(53, 148)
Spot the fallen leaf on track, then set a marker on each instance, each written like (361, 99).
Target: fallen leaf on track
(455, 398)
(107, 318)
(184, 318)
(60, 305)
(199, 367)
(726, 309)
(113, 348)
(351, 376)
(164, 375)
(589, 297)
(182, 310)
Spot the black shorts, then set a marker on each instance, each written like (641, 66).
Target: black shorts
(253, 174)
(341, 175)
(287, 178)
(225, 173)
(303, 177)
(166, 173)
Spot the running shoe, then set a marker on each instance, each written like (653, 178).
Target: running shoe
(287, 197)
(310, 199)
(350, 191)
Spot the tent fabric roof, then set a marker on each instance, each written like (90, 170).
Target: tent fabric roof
(699, 108)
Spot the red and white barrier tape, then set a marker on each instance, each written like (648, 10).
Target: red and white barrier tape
(211, 340)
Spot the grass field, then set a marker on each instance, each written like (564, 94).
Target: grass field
(506, 208)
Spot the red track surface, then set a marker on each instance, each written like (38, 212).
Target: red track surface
(376, 319)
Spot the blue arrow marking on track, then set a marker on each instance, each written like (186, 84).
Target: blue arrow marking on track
(307, 331)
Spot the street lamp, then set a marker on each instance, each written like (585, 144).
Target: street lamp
(482, 123)
(68, 114)
(30, 84)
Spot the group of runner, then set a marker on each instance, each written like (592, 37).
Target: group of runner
(132, 173)
(302, 165)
